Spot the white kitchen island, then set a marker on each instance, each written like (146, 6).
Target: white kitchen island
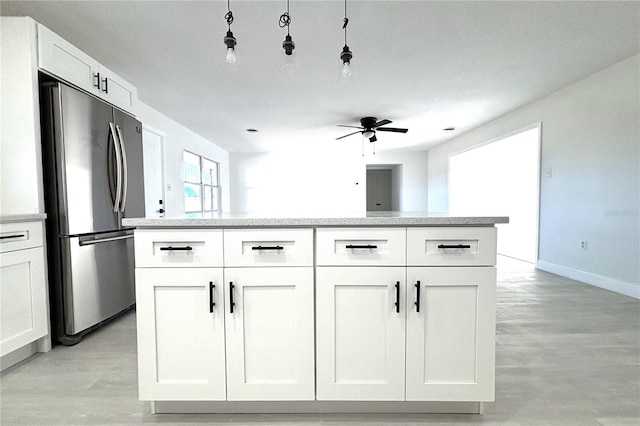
(371, 312)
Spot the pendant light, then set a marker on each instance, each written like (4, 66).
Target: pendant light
(229, 40)
(288, 64)
(345, 55)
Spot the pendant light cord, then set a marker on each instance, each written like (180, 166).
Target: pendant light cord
(229, 16)
(285, 19)
(345, 22)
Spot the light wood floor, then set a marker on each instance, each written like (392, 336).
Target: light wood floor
(567, 354)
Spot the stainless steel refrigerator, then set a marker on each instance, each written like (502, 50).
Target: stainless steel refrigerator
(93, 176)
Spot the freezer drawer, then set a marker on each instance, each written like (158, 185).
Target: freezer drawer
(99, 281)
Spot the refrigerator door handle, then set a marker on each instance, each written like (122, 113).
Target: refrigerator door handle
(104, 240)
(116, 146)
(125, 169)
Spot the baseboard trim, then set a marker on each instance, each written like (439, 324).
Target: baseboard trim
(621, 287)
(314, 407)
(18, 355)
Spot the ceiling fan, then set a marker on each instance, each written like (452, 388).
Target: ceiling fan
(369, 126)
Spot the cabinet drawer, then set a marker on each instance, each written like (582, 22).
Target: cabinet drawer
(178, 248)
(451, 246)
(268, 247)
(20, 235)
(361, 246)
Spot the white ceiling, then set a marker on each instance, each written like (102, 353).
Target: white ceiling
(426, 65)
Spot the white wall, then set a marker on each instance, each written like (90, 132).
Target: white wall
(590, 140)
(176, 139)
(330, 180)
(21, 189)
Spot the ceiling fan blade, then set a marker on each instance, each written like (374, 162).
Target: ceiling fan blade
(355, 127)
(373, 138)
(348, 135)
(382, 123)
(392, 129)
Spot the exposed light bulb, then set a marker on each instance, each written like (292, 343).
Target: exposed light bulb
(346, 71)
(230, 57)
(289, 65)
(230, 41)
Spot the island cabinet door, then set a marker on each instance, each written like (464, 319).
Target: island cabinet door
(180, 334)
(450, 333)
(269, 332)
(360, 325)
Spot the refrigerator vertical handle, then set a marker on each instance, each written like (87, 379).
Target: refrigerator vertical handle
(125, 169)
(116, 146)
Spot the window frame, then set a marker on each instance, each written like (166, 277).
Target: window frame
(210, 188)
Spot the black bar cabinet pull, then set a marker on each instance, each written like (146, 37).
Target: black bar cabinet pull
(6, 237)
(97, 83)
(417, 302)
(397, 296)
(231, 302)
(267, 248)
(170, 248)
(212, 302)
(368, 246)
(106, 85)
(453, 246)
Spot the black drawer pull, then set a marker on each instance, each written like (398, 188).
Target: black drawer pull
(6, 237)
(231, 302)
(267, 248)
(397, 297)
(212, 302)
(368, 246)
(453, 246)
(417, 302)
(170, 248)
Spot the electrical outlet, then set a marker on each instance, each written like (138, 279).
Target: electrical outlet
(583, 244)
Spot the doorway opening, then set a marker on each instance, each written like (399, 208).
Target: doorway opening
(384, 183)
(501, 178)
(152, 153)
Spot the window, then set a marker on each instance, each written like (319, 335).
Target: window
(201, 184)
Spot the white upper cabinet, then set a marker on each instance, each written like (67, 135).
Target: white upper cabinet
(116, 90)
(62, 59)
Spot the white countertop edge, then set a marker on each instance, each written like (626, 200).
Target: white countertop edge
(23, 217)
(312, 222)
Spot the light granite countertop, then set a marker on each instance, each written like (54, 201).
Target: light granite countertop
(239, 220)
(23, 217)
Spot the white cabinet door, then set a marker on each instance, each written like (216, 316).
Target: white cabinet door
(23, 300)
(180, 334)
(269, 328)
(117, 91)
(451, 333)
(62, 59)
(360, 329)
